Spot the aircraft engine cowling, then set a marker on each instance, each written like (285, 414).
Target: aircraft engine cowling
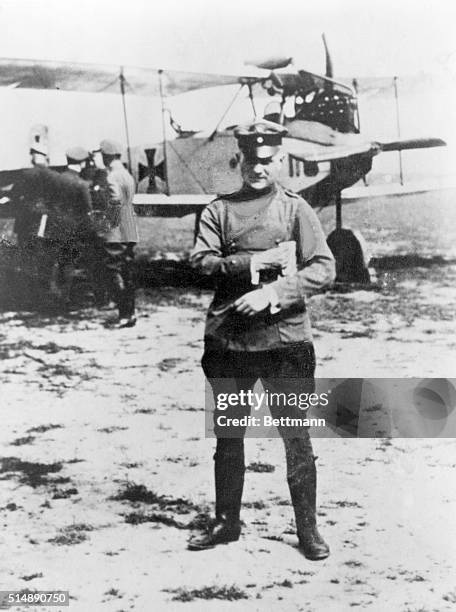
(335, 109)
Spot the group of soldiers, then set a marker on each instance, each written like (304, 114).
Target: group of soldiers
(80, 220)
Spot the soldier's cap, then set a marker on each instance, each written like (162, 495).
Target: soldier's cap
(77, 155)
(260, 139)
(39, 148)
(110, 147)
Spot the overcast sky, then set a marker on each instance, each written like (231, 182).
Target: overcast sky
(369, 37)
(366, 38)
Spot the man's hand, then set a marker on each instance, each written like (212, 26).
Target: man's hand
(252, 303)
(276, 258)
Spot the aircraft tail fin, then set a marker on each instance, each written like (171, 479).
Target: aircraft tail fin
(329, 64)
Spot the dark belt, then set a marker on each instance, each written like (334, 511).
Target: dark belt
(267, 276)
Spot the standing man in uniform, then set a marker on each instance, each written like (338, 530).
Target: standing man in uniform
(265, 248)
(120, 239)
(70, 220)
(29, 195)
(96, 177)
(77, 202)
(35, 194)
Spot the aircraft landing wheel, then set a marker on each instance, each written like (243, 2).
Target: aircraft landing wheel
(350, 252)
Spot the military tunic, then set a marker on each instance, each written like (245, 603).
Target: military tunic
(273, 345)
(224, 247)
(36, 191)
(120, 208)
(119, 241)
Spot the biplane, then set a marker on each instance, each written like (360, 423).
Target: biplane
(326, 151)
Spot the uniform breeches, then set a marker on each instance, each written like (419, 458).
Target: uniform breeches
(119, 266)
(281, 370)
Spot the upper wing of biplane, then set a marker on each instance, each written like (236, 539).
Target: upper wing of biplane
(148, 81)
(105, 78)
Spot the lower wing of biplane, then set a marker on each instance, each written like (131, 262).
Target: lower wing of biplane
(314, 142)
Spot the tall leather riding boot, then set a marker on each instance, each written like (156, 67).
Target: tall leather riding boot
(128, 273)
(116, 287)
(302, 481)
(126, 303)
(229, 471)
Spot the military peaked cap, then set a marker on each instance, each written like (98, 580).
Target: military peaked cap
(110, 147)
(77, 155)
(260, 139)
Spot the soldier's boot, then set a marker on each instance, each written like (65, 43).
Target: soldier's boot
(302, 481)
(54, 288)
(229, 471)
(65, 282)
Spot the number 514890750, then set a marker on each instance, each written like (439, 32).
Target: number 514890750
(34, 598)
